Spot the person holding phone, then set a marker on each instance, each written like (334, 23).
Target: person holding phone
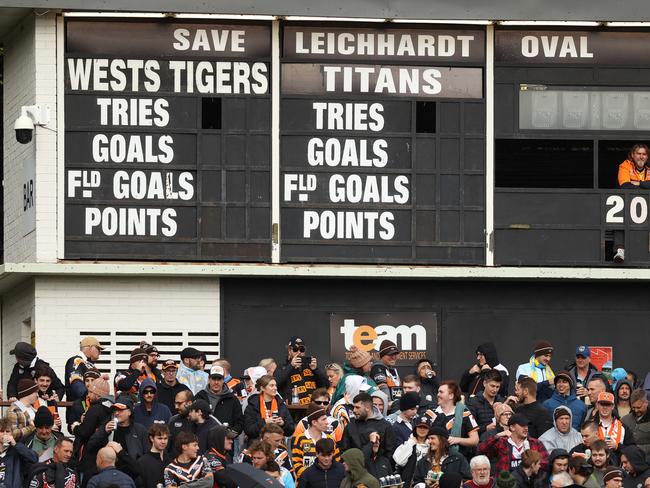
(299, 374)
(127, 382)
(439, 460)
(266, 407)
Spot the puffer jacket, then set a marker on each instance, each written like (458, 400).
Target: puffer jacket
(482, 410)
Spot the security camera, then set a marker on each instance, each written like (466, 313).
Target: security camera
(30, 115)
(24, 127)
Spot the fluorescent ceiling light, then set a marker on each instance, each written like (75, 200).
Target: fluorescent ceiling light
(331, 19)
(558, 23)
(454, 22)
(627, 24)
(116, 14)
(225, 16)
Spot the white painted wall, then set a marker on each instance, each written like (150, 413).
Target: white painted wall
(17, 312)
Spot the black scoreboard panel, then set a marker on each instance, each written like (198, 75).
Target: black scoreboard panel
(569, 106)
(382, 145)
(167, 142)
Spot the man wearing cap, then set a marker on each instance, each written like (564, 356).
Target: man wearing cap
(506, 448)
(303, 448)
(610, 429)
(385, 374)
(169, 387)
(149, 410)
(127, 382)
(408, 409)
(564, 396)
(235, 384)
(582, 370)
(539, 369)
(151, 367)
(203, 421)
(80, 406)
(613, 477)
(21, 413)
(189, 371)
(75, 367)
(42, 440)
(562, 435)
(222, 401)
(124, 431)
(299, 373)
(26, 362)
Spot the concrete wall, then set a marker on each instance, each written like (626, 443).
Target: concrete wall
(17, 322)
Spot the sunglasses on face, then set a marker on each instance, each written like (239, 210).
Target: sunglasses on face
(148, 392)
(321, 402)
(298, 348)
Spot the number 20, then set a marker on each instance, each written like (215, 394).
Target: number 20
(638, 209)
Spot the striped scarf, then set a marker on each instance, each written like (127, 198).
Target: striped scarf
(535, 365)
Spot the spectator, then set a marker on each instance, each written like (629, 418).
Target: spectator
(558, 462)
(506, 449)
(235, 384)
(261, 454)
(613, 477)
(562, 435)
(487, 359)
(412, 383)
(372, 434)
(385, 374)
(81, 405)
(188, 466)
(334, 373)
(273, 435)
(224, 406)
(169, 387)
(610, 429)
(622, 392)
(416, 447)
(15, 458)
(27, 362)
(599, 456)
(481, 405)
(465, 435)
(408, 409)
(538, 368)
(203, 422)
(43, 439)
(480, 468)
(525, 397)
(75, 368)
(356, 475)
(359, 363)
(502, 414)
(55, 471)
(582, 371)
(127, 438)
(251, 375)
(154, 461)
(440, 459)
(633, 379)
(190, 372)
(564, 395)
(526, 473)
(597, 385)
(342, 410)
(638, 420)
(379, 401)
(303, 448)
(150, 411)
(589, 433)
(321, 398)
(428, 381)
(326, 472)
(151, 367)
(269, 365)
(43, 377)
(220, 442)
(21, 413)
(266, 407)
(127, 382)
(108, 475)
(297, 374)
(181, 422)
(634, 463)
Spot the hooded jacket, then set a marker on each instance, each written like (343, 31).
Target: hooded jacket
(167, 394)
(640, 429)
(620, 383)
(472, 383)
(554, 439)
(577, 406)
(224, 406)
(253, 421)
(641, 468)
(218, 459)
(159, 413)
(357, 474)
(544, 477)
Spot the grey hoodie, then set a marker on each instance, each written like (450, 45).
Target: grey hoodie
(554, 439)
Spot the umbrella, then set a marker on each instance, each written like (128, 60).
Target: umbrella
(246, 476)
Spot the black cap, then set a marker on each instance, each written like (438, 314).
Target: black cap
(23, 350)
(202, 406)
(191, 353)
(296, 341)
(518, 419)
(123, 402)
(437, 430)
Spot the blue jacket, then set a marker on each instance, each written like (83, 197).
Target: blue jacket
(577, 407)
(18, 461)
(159, 413)
(111, 476)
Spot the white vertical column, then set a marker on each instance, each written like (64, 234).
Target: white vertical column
(489, 145)
(60, 138)
(275, 141)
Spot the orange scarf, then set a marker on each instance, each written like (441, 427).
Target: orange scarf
(263, 411)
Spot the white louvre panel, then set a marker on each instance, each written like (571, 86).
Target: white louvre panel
(120, 343)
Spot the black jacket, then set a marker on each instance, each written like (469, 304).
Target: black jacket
(524, 481)
(202, 430)
(253, 421)
(453, 463)
(482, 410)
(316, 477)
(472, 383)
(167, 394)
(18, 461)
(177, 424)
(641, 468)
(151, 469)
(225, 407)
(540, 418)
(98, 413)
(356, 434)
(19, 372)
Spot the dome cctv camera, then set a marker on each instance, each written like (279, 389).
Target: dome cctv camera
(24, 127)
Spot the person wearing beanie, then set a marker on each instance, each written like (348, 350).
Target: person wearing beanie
(562, 435)
(43, 439)
(481, 404)
(539, 369)
(127, 382)
(502, 414)
(613, 477)
(151, 367)
(334, 426)
(359, 363)
(26, 363)
(384, 372)
(505, 480)
(480, 469)
(440, 460)
(303, 449)
(564, 395)
(408, 409)
(21, 413)
(487, 359)
(299, 373)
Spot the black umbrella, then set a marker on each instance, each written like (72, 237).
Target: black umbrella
(246, 476)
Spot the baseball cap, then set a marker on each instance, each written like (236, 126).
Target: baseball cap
(190, 352)
(217, 370)
(422, 420)
(202, 406)
(91, 341)
(518, 419)
(170, 363)
(296, 341)
(23, 350)
(583, 351)
(123, 403)
(605, 397)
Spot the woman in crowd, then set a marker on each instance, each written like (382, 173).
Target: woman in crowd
(502, 413)
(439, 460)
(415, 448)
(266, 407)
(334, 374)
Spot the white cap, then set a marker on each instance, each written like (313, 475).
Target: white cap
(217, 370)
